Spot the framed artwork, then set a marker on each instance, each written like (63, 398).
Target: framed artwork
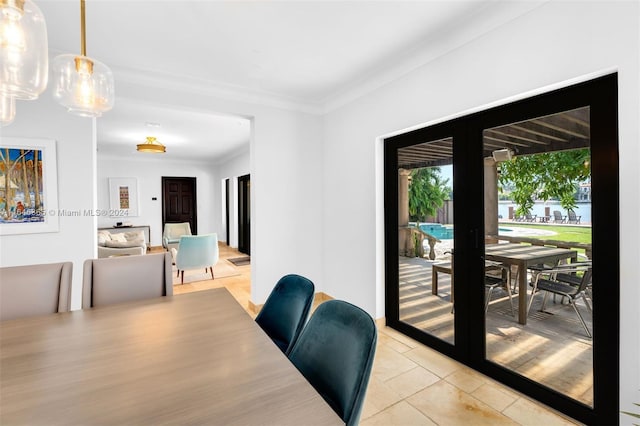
(28, 186)
(123, 197)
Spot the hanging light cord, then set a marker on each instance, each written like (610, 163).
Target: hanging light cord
(83, 42)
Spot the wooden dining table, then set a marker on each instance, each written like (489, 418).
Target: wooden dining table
(523, 256)
(195, 358)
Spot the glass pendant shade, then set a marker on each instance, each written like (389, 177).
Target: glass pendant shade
(24, 56)
(83, 85)
(151, 145)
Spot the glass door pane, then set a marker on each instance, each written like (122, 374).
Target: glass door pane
(425, 237)
(538, 251)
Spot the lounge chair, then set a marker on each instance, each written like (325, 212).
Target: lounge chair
(530, 217)
(558, 218)
(572, 217)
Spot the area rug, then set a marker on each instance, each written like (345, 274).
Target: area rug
(240, 261)
(222, 269)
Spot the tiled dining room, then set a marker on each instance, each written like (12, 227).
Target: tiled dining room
(410, 383)
(285, 119)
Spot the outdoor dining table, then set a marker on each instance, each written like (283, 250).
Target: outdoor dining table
(523, 256)
(195, 358)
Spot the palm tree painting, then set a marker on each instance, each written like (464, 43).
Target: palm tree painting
(21, 185)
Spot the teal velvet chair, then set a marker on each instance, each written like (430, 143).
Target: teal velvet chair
(286, 310)
(335, 353)
(195, 252)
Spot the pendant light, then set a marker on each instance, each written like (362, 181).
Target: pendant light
(151, 145)
(82, 84)
(24, 57)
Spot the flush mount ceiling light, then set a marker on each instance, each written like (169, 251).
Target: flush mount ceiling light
(24, 57)
(151, 145)
(82, 84)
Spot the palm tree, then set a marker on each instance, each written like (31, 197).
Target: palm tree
(427, 192)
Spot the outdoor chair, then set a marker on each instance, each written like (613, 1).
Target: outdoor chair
(286, 310)
(570, 280)
(335, 354)
(558, 217)
(530, 217)
(496, 276)
(572, 217)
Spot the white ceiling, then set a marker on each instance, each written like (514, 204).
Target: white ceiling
(309, 55)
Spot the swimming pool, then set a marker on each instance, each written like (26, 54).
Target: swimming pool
(445, 232)
(441, 232)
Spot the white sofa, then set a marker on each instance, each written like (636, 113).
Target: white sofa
(122, 243)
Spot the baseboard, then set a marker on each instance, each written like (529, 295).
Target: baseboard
(319, 297)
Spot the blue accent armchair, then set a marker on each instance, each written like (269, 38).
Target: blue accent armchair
(196, 251)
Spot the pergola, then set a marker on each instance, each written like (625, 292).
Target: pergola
(563, 131)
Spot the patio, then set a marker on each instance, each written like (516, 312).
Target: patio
(552, 348)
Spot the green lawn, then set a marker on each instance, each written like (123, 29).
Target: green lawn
(574, 234)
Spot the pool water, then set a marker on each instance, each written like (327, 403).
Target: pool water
(445, 232)
(438, 230)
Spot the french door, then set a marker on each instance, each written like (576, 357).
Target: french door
(481, 211)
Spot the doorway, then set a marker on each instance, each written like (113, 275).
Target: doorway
(244, 214)
(227, 206)
(179, 201)
(495, 304)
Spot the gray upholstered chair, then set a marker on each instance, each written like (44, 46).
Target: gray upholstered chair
(35, 289)
(126, 278)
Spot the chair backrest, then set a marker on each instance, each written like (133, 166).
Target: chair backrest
(557, 215)
(286, 310)
(176, 230)
(335, 354)
(125, 278)
(197, 251)
(35, 289)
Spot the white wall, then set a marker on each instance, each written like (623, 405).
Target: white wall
(75, 148)
(232, 168)
(286, 183)
(149, 173)
(556, 42)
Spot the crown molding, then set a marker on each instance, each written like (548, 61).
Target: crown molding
(468, 28)
(154, 79)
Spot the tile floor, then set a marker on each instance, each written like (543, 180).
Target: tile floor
(412, 384)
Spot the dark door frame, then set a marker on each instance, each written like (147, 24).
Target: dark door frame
(244, 214)
(192, 181)
(226, 210)
(601, 95)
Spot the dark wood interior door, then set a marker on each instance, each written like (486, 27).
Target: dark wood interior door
(244, 214)
(179, 201)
